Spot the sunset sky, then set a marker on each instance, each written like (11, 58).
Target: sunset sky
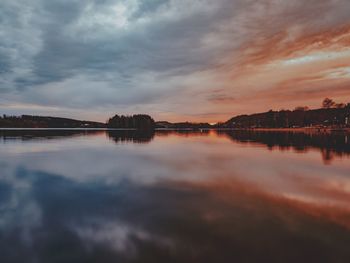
(195, 60)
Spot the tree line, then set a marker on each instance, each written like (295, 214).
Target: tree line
(331, 114)
(138, 121)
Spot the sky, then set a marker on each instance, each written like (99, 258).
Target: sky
(177, 60)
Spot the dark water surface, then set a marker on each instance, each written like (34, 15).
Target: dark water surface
(79, 196)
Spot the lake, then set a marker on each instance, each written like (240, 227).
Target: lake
(129, 196)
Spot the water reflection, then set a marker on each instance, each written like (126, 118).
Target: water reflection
(33, 134)
(331, 145)
(184, 133)
(58, 220)
(182, 197)
(135, 136)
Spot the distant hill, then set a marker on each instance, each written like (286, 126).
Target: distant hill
(28, 121)
(339, 117)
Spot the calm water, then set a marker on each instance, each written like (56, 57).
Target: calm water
(75, 196)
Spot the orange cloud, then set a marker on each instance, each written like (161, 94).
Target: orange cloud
(284, 71)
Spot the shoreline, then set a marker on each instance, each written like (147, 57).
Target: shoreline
(299, 129)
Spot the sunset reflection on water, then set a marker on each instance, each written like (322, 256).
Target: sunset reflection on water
(174, 196)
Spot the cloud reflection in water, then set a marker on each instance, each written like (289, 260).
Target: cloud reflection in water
(190, 198)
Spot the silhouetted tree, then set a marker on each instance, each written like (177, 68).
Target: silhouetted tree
(139, 122)
(328, 103)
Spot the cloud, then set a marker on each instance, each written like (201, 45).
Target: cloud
(117, 53)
